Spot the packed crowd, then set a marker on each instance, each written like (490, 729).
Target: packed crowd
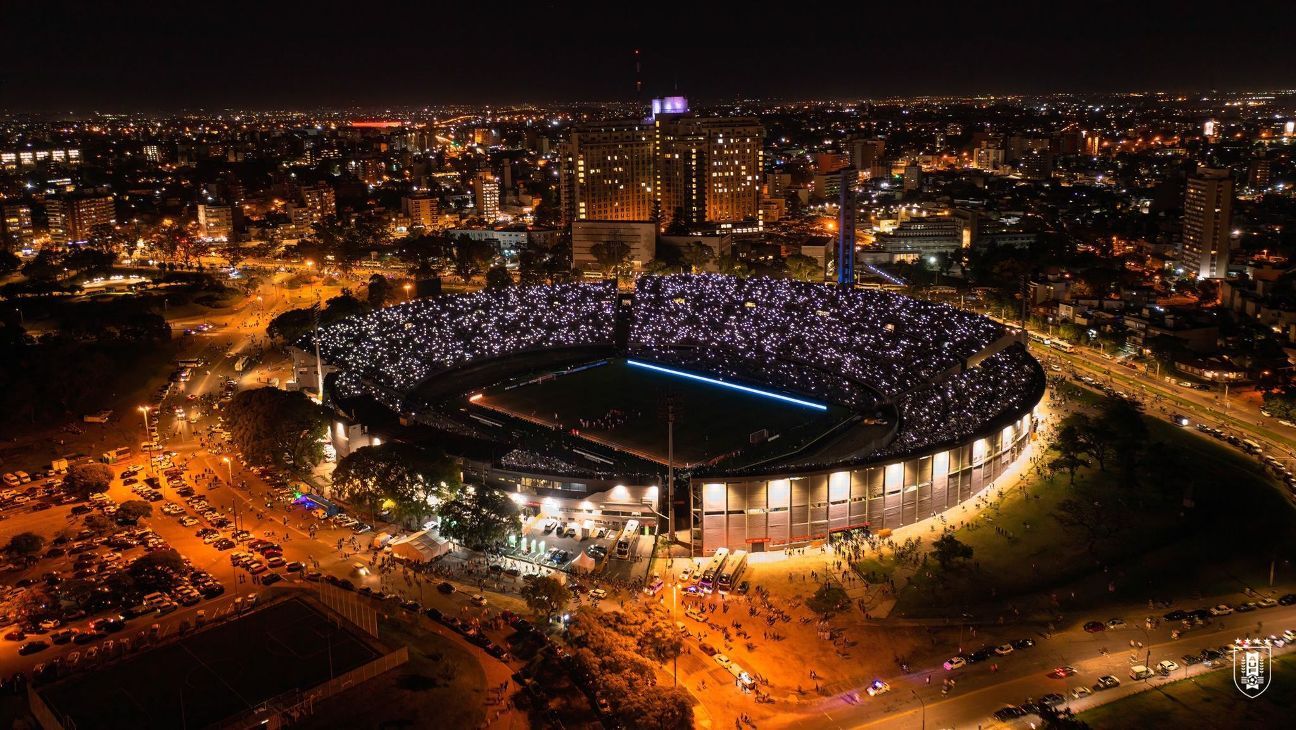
(958, 407)
(888, 342)
(398, 347)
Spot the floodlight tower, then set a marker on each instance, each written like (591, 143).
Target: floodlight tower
(846, 228)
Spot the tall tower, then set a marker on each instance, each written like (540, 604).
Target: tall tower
(846, 227)
(1208, 206)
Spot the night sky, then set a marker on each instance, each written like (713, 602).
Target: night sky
(170, 54)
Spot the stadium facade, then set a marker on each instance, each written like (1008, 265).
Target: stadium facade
(940, 401)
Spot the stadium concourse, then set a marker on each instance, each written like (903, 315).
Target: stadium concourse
(937, 401)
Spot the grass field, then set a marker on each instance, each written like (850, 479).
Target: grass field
(213, 674)
(711, 420)
(1152, 546)
(1209, 701)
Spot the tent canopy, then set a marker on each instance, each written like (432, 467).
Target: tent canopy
(420, 547)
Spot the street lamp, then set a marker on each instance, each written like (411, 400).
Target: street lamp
(144, 411)
(924, 707)
(229, 470)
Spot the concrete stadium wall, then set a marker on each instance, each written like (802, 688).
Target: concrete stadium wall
(786, 510)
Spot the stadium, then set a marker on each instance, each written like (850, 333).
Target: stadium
(788, 410)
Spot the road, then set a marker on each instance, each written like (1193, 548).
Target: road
(979, 691)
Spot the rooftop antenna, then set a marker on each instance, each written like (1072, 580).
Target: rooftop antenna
(638, 77)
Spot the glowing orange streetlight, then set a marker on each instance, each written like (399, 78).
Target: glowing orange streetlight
(407, 292)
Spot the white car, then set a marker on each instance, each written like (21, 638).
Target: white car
(598, 594)
(1079, 692)
(722, 660)
(1167, 666)
(685, 574)
(953, 663)
(878, 687)
(1003, 649)
(1221, 610)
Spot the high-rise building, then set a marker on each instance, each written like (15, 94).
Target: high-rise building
(421, 209)
(320, 201)
(16, 224)
(486, 192)
(74, 219)
(708, 169)
(607, 173)
(912, 176)
(216, 221)
(989, 159)
(1259, 173)
(1036, 164)
(702, 169)
(1208, 205)
(865, 152)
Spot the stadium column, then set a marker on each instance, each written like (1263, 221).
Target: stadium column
(670, 472)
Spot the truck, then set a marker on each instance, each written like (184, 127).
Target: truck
(1138, 671)
(97, 417)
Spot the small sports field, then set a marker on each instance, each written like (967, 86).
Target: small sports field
(623, 405)
(213, 674)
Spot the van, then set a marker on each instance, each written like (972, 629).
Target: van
(1138, 671)
(23, 476)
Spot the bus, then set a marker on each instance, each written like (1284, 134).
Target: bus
(1062, 345)
(732, 573)
(627, 539)
(189, 362)
(712, 570)
(111, 457)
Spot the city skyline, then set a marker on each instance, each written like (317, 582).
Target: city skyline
(125, 57)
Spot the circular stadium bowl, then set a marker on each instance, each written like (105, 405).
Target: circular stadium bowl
(797, 410)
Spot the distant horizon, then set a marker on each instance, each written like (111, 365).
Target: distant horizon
(377, 110)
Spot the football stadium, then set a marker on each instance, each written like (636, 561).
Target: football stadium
(787, 410)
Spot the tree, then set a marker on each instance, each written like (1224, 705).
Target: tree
(381, 292)
(803, 268)
(1086, 514)
(949, 550)
(612, 257)
(498, 277)
(662, 708)
(277, 427)
(133, 510)
(24, 544)
(829, 598)
(410, 477)
(289, 327)
(83, 480)
(479, 517)
(1069, 463)
(730, 265)
(471, 257)
(157, 570)
(1121, 422)
(697, 256)
(659, 638)
(546, 596)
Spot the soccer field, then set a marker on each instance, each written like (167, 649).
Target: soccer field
(625, 406)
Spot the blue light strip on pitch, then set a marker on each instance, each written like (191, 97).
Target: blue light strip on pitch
(733, 386)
